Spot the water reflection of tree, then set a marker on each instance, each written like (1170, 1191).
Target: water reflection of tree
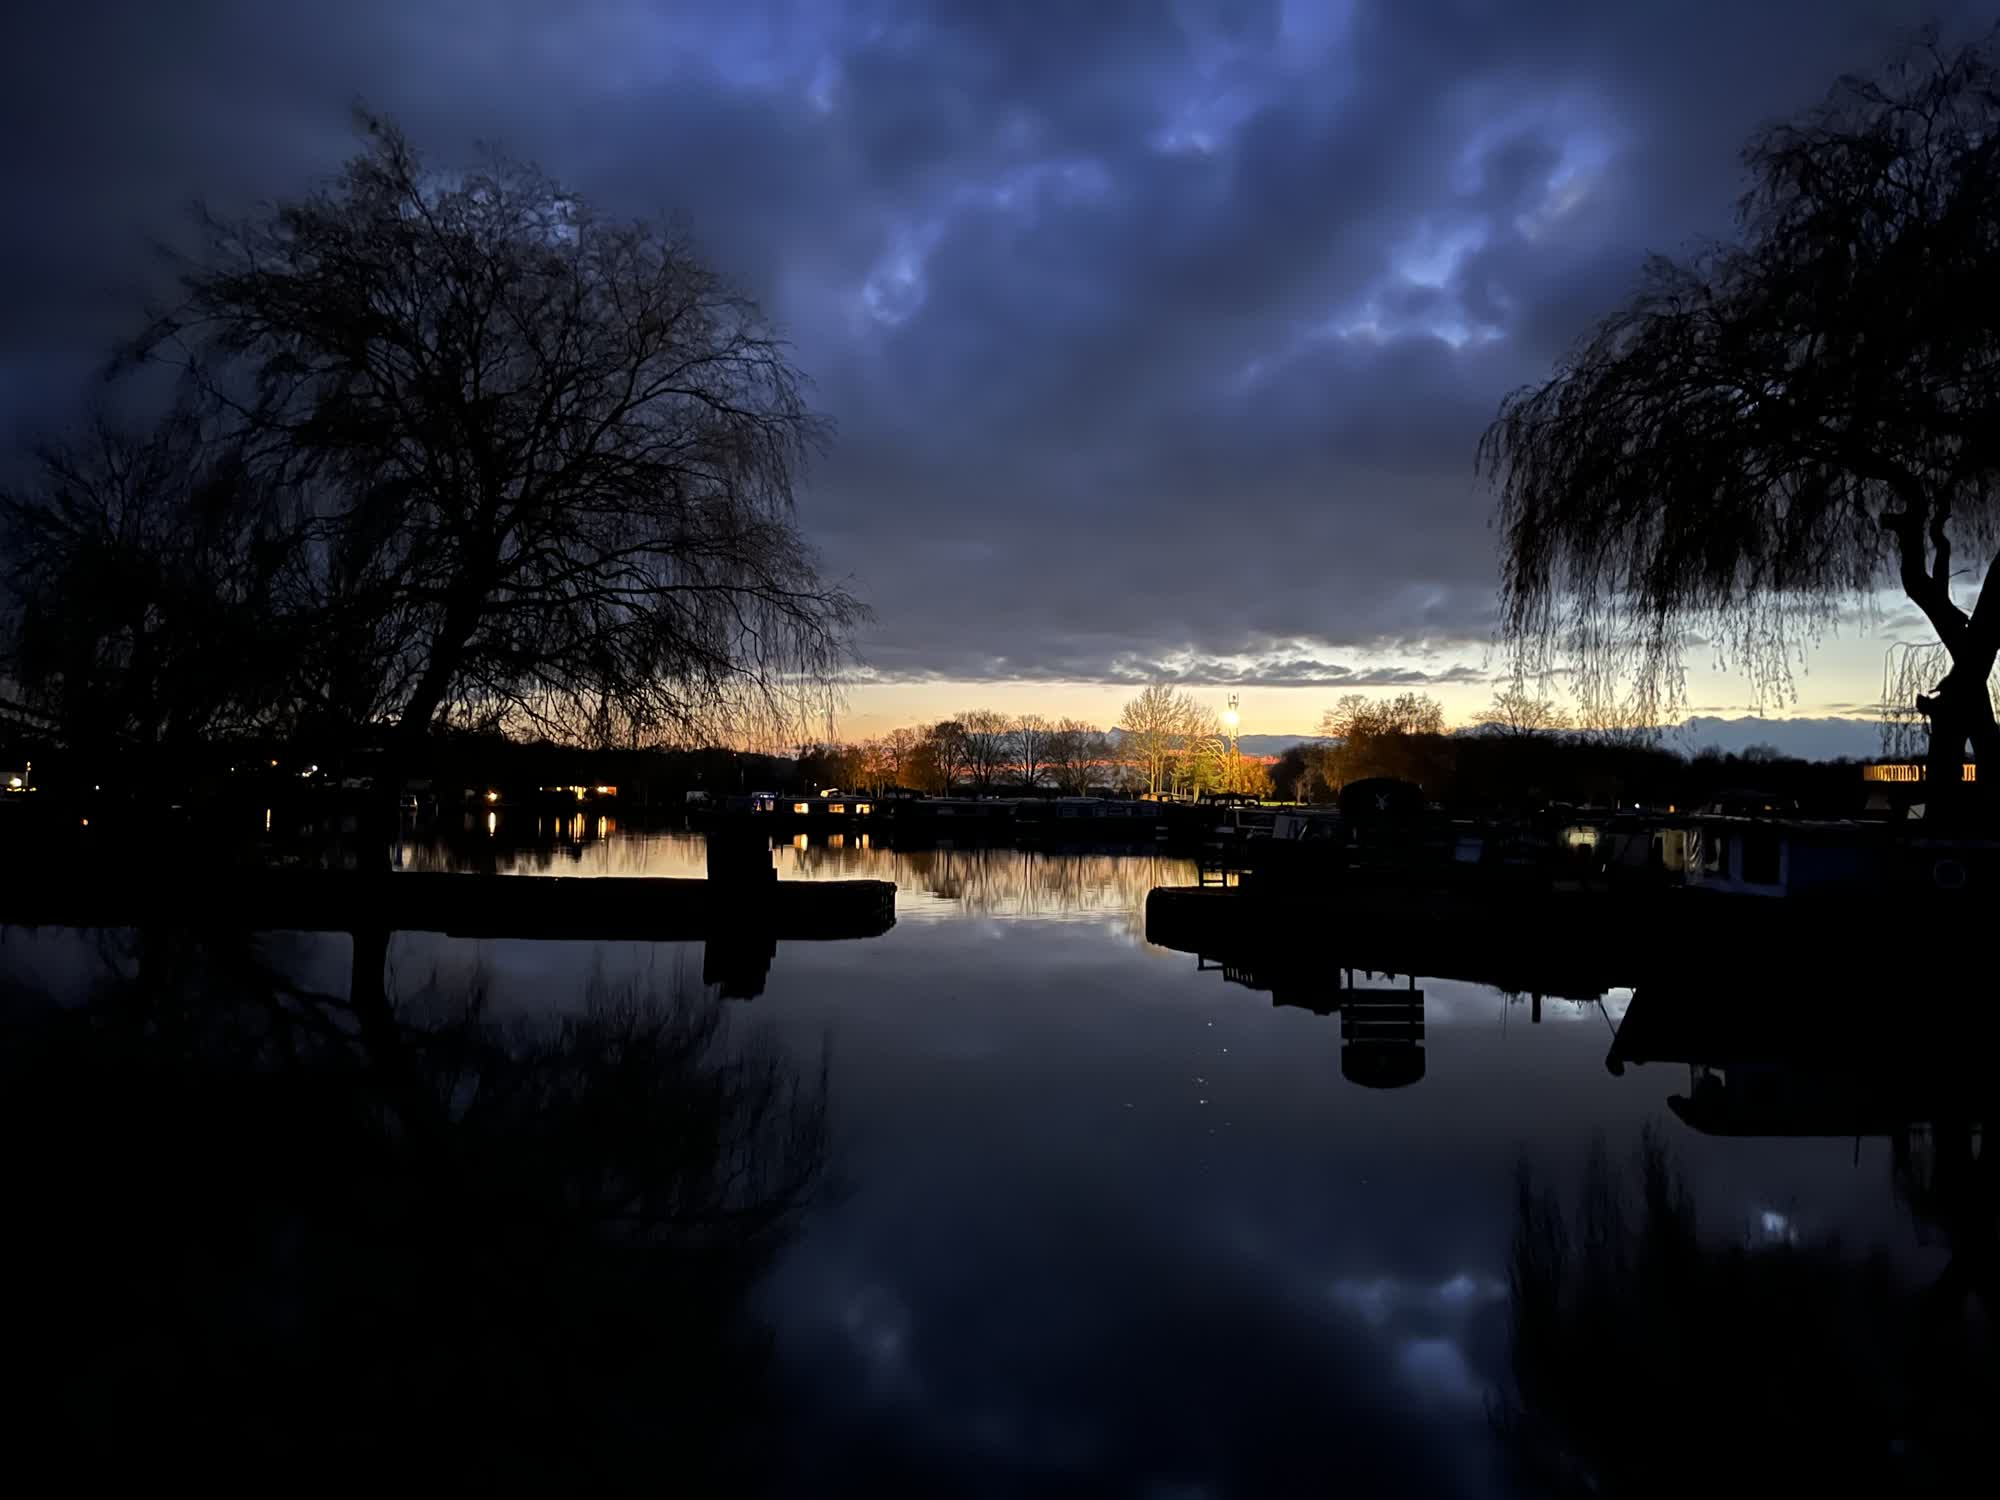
(983, 881)
(1648, 1360)
(996, 881)
(254, 1242)
(1024, 882)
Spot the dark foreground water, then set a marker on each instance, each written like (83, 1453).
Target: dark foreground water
(1025, 1206)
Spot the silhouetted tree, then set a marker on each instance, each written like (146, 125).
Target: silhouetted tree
(151, 591)
(1774, 429)
(1357, 716)
(943, 755)
(1515, 711)
(1288, 776)
(552, 456)
(1382, 737)
(1031, 747)
(1079, 755)
(989, 745)
(900, 749)
(1609, 721)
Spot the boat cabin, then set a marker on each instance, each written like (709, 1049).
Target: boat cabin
(1754, 856)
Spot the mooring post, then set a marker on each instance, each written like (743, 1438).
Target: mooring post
(740, 859)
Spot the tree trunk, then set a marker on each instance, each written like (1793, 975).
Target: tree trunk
(383, 822)
(1960, 712)
(389, 1054)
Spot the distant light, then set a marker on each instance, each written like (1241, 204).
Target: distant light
(492, 822)
(492, 796)
(86, 822)
(1232, 718)
(606, 791)
(15, 782)
(801, 807)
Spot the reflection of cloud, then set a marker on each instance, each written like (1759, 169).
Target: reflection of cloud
(1437, 1368)
(1778, 1227)
(877, 1323)
(1376, 1301)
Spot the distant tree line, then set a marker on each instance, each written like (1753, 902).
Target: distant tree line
(1166, 743)
(1526, 751)
(1520, 750)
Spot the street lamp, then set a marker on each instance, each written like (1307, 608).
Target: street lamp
(1231, 718)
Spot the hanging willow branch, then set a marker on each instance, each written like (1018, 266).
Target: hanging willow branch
(1774, 430)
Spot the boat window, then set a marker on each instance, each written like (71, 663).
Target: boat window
(1760, 858)
(1715, 853)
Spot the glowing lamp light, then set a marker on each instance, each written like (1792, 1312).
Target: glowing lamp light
(15, 783)
(492, 796)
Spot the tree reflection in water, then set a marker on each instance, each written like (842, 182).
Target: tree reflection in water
(980, 880)
(1649, 1360)
(253, 1234)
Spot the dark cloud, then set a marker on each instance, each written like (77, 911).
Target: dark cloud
(1155, 334)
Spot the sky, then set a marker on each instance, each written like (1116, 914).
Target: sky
(1158, 337)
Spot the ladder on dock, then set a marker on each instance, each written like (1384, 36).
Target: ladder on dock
(1216, 867)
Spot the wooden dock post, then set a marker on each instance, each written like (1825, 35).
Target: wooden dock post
(737, 858)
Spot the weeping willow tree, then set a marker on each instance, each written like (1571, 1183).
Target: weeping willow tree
(552, 456)
(1778, 431)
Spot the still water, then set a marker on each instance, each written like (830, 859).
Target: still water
(1097, 1219)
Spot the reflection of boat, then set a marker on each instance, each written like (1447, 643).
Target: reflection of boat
(1803, 1053)
(1382, 1036)
(1381, 1025)
(1811, 1050)
(1485, 943)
